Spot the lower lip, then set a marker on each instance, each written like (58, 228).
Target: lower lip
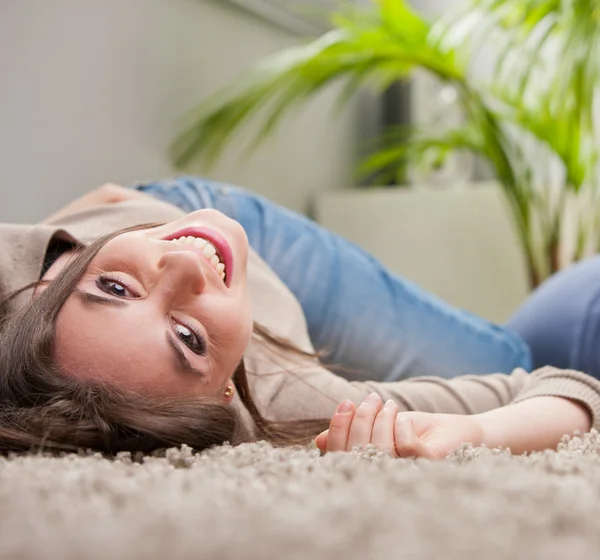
(216, 239)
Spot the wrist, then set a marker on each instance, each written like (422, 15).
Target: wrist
(487, 428)
(533, 424)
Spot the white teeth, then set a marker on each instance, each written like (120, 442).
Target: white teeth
(198, 242)
(208, 250)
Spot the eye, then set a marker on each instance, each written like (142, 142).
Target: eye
(114, 287)
(194, 342)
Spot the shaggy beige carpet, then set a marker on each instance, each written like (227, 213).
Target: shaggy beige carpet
(255, 502)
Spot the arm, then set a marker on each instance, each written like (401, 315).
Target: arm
(534, 424)
(289, 388)
(316, 391)
(106, 194)
(480, 394)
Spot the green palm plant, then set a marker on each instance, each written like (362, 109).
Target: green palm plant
(532, 119)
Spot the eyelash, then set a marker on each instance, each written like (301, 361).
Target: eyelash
(103, 283)
(200, 350)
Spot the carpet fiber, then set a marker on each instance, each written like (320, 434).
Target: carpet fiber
(255, 502)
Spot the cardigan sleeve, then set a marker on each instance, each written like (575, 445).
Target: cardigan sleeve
(285, 389)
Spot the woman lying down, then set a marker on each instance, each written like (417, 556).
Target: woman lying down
(133, 323)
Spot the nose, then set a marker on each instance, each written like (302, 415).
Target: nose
(181, 275)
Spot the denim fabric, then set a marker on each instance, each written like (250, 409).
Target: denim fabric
(377, 324)
(561, 320)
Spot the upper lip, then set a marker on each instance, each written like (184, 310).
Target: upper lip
(219, 242)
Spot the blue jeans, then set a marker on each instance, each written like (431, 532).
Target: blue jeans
(366, 319)
(561, 319)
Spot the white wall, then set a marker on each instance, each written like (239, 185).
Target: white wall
(92, 90)
(458, 243)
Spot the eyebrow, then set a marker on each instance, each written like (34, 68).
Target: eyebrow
(181, 359)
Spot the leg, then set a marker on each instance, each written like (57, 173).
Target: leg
(368, 320)
(561, 320)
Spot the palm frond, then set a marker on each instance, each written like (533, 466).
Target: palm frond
(409, 145)
(368, 48)
(535, 111)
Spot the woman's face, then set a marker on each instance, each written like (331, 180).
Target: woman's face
(158, 312)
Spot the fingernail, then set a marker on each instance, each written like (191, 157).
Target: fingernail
(345, 407)
(389, 404)
(373, 398)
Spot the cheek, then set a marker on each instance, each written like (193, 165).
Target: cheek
(75, 351)
(234, 324)
(247, 321)
(238, 329)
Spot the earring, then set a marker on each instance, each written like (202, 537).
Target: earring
(229, 391)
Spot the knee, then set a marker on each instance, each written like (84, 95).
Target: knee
(560, 321)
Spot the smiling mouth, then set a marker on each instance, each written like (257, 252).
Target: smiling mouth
(209, 251)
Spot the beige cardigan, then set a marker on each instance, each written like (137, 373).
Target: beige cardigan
(285, 388)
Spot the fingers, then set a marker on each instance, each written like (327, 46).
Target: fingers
(383, 428)
(339, 427)
(363, 421)
(406, 438)
(405, 434)
(321, 441)
(370, 423)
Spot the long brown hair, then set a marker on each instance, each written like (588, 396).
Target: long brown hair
(42, 409)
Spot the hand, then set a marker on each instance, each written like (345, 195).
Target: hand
(408, 434)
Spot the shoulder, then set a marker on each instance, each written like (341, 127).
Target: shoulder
(96, 221)
(22, 252)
